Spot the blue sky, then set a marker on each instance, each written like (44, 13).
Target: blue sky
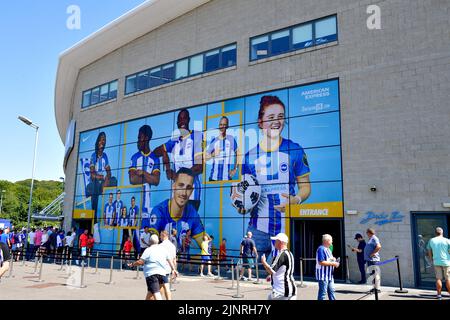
(33, 34)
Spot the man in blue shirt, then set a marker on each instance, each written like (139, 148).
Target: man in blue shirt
(371, 254)
(360, 256)
(439, 251)
(325, 264)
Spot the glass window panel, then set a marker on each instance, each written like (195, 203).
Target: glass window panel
(229, 56)
(326, 30)
(196, 65)
(302, 36)
(280, 42)
(155, 77)
(130, 85)
(87, 98)
(168, 73)
(142, 82)
(113, 90)
(212, 60)
(104, 92)
(182, 69)
(260, 47)
(95, 95)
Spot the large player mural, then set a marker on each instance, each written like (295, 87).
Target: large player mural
(250, 163)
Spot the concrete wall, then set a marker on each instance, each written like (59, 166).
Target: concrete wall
(394, 86)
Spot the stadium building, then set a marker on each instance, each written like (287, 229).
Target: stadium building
(333, 125)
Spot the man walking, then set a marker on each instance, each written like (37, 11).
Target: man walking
(281, 271)
(439, 251)
(154, 259)
(325, 264)
(172, 251)
(83, 245)
(144, 240)
(360, 256)
(372, 256)
(248, 253)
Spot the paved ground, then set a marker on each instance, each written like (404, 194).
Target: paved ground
(60, 284)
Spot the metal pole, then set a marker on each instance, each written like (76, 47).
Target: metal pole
(10, 275)
(400, 277)
(111, 271)
(258, 281)
(96, 264)
(218, 268)
(347, 270)
(62, 262)
(301, 285)
(23, 255)
(40, 269)
(82, 285)
(1, 200)
(32, 178)
(238, 293)
(35, 264)
(121, 267)
(88, 260)
(232, 276)
(375, 290)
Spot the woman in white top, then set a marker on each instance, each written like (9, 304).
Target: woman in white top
(43, 248)
(70, 238)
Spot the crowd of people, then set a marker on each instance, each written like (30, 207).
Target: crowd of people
(158, 256)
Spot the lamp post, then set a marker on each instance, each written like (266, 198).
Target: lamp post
(1, 201)
(30, 123)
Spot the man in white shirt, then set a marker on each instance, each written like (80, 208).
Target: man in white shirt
(30, 249)
(144, 240)
(154, 260)
(172, 251)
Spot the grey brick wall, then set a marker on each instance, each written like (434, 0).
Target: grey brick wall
(394, 86)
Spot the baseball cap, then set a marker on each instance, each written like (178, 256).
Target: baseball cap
(358, 235)
(282, 237)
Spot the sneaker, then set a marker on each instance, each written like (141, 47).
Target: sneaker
(202, 275)
(439, 297)
(244, 279)
(250, 279)
(229, 271)
(210, 275)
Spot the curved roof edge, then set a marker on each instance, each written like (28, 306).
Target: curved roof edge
(135, 23)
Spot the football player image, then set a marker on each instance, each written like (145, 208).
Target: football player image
(186, 152)
(279, 165)
(118, 205)
(123, 220)
(144, 167)
(177, 213)
(133, 213)
(100, 172)
(223, 150)
(108, 211)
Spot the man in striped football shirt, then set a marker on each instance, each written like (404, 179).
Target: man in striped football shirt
(325, 264)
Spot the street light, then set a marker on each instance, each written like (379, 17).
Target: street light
(1, 201)
(63, 180)
(30, 123)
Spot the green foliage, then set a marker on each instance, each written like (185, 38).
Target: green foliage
(16, 197)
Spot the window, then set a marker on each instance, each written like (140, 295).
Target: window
(113, 90)
(155, 77)
(260, 47)
(196, 65)
(104, 90)
(229, 56)
(142, 81)
(212, 60)
(130, 84)
(99, 94)
(182, 69)
(95, 98)
(302, 36)
(208, 61)
(280, 42)
(326, 30)
(294, 38)
(86, 99)
(168, 73)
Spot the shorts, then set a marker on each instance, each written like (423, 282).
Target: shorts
(206, 258)
(166, 278)
(442, 272)
(248, 262)
(154, 283)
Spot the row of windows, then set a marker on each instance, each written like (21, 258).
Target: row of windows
(105, 92)
(201, 63)
(302, 36)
